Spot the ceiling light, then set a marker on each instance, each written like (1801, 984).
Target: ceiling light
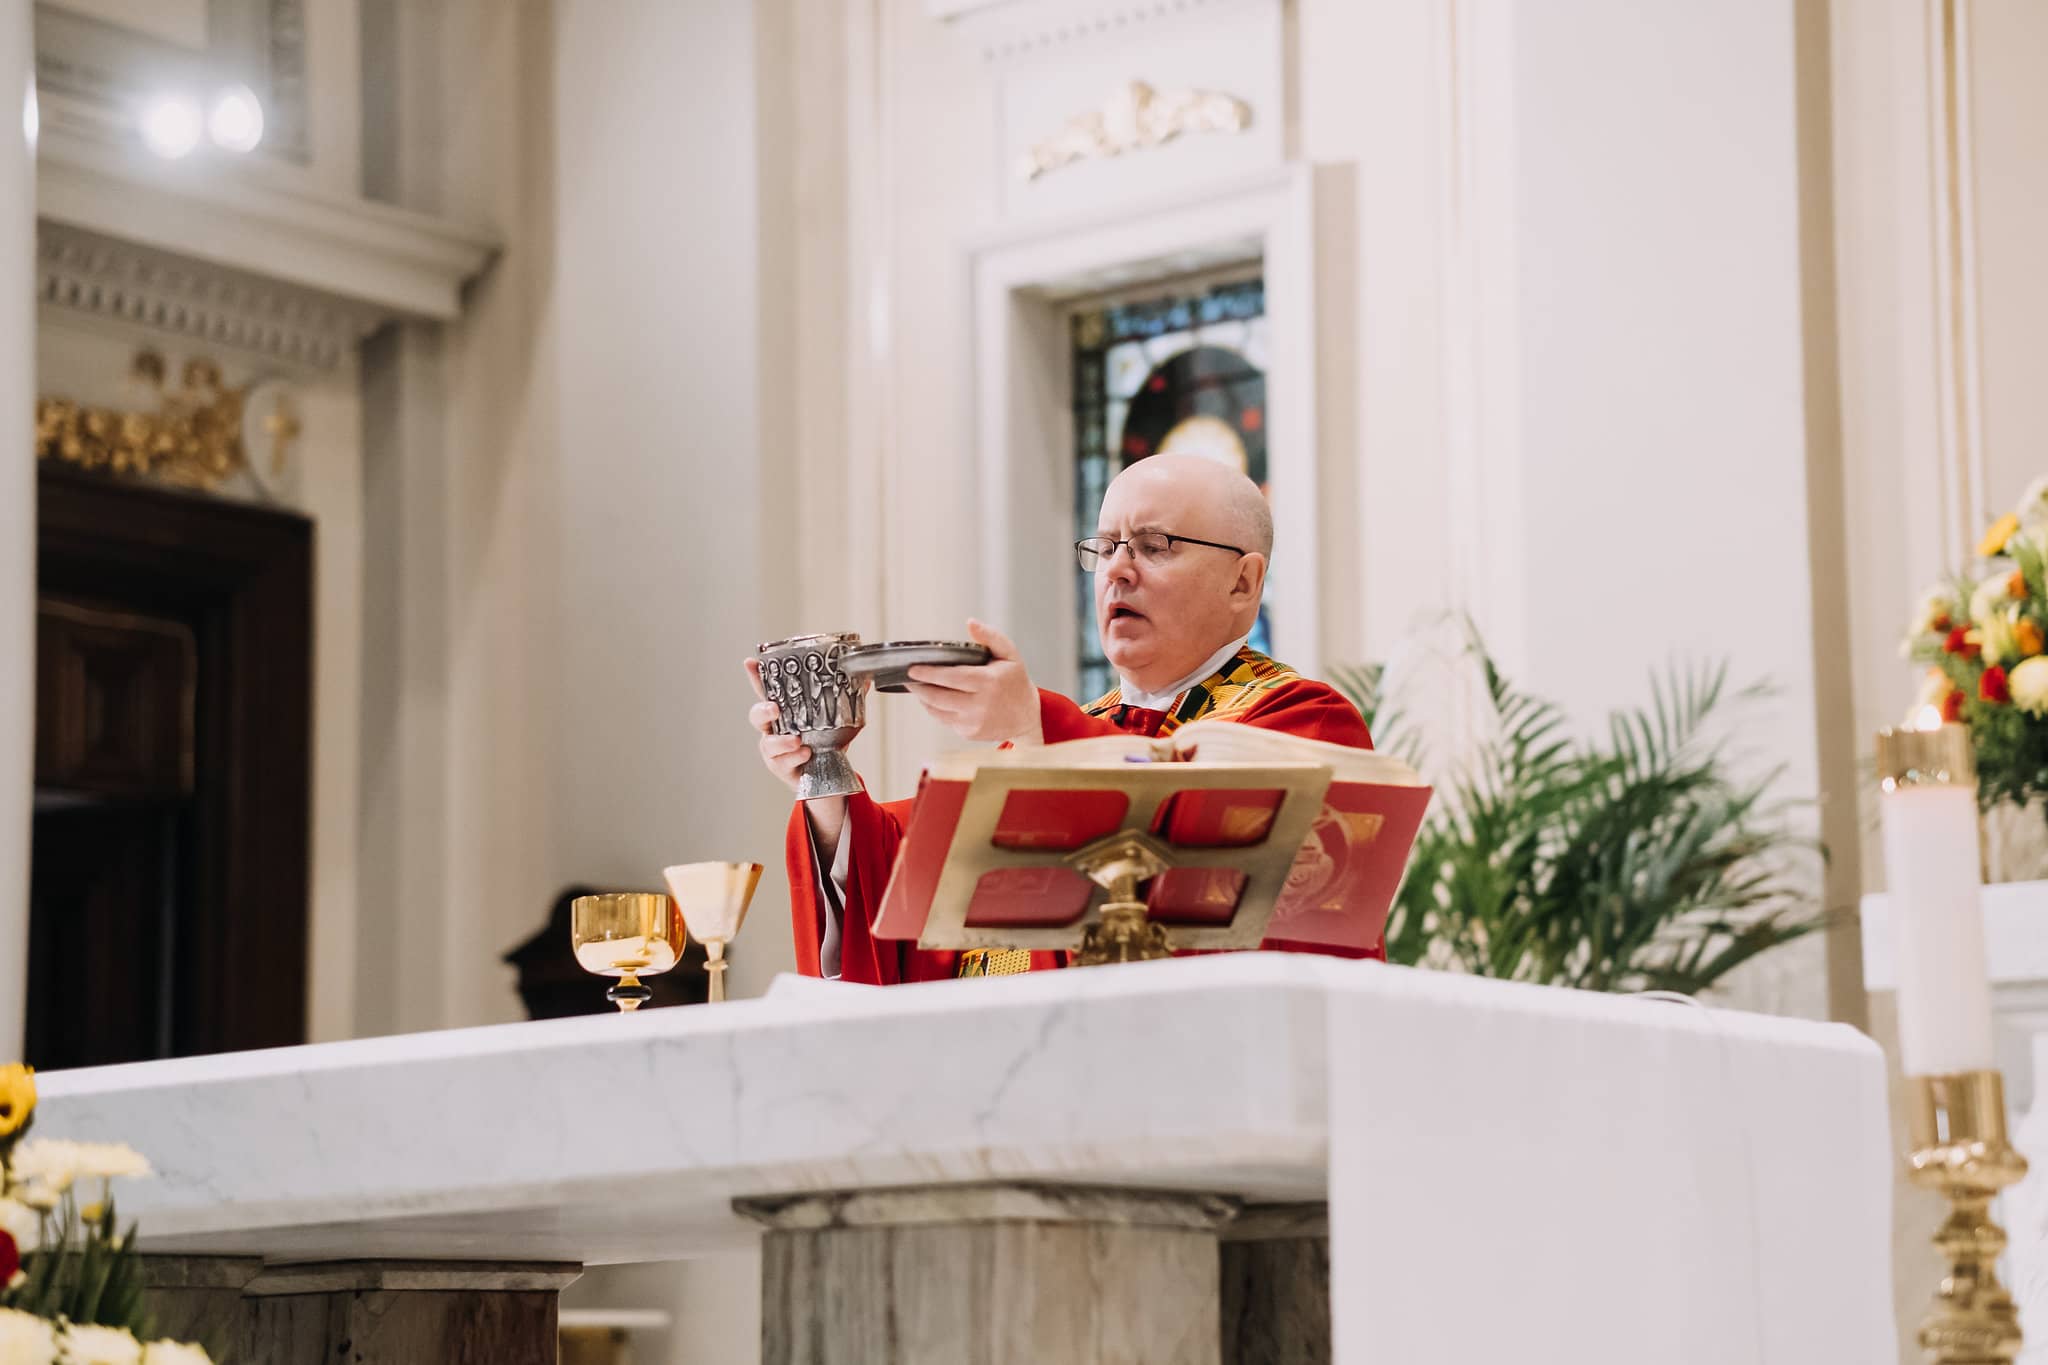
(171, 125)
(236, 123)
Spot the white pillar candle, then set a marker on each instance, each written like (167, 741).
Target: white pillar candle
(1931, 869)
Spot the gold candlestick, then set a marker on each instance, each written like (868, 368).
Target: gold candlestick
(714, 898)
(1960, 1149)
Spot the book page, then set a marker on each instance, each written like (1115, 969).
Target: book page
(1228, 742)
(1102, 751)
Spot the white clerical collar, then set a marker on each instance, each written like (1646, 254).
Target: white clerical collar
(1134, 695)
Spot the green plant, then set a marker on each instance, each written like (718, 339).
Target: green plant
(1635, 861)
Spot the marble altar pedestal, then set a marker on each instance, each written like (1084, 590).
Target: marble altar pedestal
(1110, 1166)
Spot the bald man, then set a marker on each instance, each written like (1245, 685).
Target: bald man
(1179, 557)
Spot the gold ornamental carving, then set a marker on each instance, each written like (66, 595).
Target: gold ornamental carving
(1136, 117)
(194, 439)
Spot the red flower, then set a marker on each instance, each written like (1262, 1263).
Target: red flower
(1251, 419)
(1958, 642)
(1952, 706)
(1157, 383)
(1991, 687)
(10, 1258)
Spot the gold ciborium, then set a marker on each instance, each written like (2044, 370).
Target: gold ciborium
(714, 899)
(628, 935)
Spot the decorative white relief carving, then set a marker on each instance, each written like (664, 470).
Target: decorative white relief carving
(255, 223)
(1136, 117)
(85, 273)
(1003, 31)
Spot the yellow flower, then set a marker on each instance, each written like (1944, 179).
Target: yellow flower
(2029, 686)
(1994, 539)
(2028, 639)
(17, 1097)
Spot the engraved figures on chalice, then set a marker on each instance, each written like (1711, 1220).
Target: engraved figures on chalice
(820, 703)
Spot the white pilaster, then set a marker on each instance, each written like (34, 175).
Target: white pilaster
(17, 512)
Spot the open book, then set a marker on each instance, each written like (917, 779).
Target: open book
(1338, 893)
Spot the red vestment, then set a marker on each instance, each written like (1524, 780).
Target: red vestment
(1297, 705)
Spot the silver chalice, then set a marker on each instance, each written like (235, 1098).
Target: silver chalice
(820, 703)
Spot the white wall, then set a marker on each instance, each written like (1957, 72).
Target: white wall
(17, 517)
(664, 506)
(669, 518)
(2008, 113)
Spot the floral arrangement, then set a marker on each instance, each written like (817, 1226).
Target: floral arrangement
(70, 1280)
(1984, 639)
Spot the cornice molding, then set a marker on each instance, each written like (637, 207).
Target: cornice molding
(245, 256)
(105, 278)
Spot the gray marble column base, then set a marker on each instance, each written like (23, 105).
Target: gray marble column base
(995, 1274)
(359, 1312)
(1276, 1286)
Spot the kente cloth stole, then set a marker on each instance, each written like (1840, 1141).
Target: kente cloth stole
(1224, 695)
(994, 962)
(1228, 692)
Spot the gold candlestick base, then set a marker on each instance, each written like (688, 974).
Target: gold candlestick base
(1960, 1149)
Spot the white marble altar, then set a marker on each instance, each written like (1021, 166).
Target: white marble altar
(1586, 1152)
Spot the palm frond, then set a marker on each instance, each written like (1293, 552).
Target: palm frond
(1640, 862)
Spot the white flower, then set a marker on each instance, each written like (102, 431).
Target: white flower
(2033, 507)
(2029, 684)
(173, 1353)
(54, 1163)
(26, 1339)
(1937, 606)
(22, 1223)
(1992, 592)
(1994, 613)
(99, 1346)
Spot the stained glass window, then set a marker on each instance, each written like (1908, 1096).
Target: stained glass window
(1182, 372)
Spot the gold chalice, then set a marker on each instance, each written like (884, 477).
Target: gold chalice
(714, 899)
(627, 935)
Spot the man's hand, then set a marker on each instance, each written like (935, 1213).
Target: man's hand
(784, 755)
(994, 701)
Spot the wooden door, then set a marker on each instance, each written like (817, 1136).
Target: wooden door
(168, 871)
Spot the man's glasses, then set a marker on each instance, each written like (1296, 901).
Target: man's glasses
(1147, 547)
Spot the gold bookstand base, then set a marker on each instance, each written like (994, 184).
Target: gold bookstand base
(1960, 1149)
(1124, 933)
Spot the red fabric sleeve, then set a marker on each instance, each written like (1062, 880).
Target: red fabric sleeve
(1061, 719)
(876, 828)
